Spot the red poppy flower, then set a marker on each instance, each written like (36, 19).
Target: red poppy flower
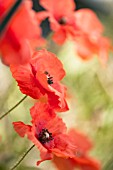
(20, 32)
(47, 133)
(82, 26)
(87, 49)
(41, 76)
(90, 40)
(81, 161)
(61, 17)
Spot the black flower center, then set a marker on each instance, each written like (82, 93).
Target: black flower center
(62, 21)
(44, 136)
(49, 78)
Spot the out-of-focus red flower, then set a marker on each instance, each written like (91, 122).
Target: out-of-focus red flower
(41, 76)
(61, 17)
(4, 6)
(48, 133)
(90, 40)
(20, 32)
(82, 160)
(82, 26)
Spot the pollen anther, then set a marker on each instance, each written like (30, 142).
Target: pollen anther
(49, 78)
(45, 136)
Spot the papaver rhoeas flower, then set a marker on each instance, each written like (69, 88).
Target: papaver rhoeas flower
(20, 32)
(82, 26)
(90, 40)
(82, 161)
(41, 76)
(61, 17)
(48, 133)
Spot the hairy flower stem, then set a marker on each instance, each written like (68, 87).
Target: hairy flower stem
(13, 108)
(9, 15)
(15, 166)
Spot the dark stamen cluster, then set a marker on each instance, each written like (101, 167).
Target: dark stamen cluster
(44, 136)
(62, 21)
(49, 78)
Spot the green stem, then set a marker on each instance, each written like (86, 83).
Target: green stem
(5, 114)
(15, 166)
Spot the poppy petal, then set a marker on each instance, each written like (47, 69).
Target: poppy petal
(55, 6)
(21, 128)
